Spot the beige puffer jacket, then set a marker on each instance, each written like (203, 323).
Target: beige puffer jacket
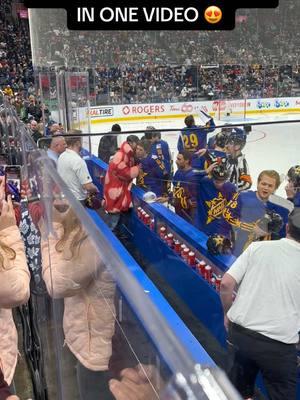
(14, 291)
(88, 290)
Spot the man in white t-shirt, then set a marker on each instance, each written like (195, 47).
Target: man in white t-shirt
(264, 320)
(74, 171)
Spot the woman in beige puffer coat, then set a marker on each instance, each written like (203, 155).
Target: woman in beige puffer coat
(73, 270)
(14, 286)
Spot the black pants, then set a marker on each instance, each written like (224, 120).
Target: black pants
(253, 352)
(93, 385)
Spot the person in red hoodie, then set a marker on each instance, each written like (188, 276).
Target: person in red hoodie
(122, 169)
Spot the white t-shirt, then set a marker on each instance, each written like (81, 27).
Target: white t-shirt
(74, 171)
(268, 298)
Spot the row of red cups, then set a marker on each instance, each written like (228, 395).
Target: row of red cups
(190, 258)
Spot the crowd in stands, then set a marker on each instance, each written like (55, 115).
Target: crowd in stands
(157, 66)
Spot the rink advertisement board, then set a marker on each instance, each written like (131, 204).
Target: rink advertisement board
(216, 109)
(158, 15)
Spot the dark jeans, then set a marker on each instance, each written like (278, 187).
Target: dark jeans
(252, 352)
(117, 223)
(93, 385)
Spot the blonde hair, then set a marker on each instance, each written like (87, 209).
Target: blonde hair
(72, 228)
(8, 251)
(271, 173)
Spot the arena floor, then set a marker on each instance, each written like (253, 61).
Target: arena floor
(269, 146)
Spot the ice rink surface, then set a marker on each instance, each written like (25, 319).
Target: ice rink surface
(274, 146)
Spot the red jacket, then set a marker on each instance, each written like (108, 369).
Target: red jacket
(118, 180)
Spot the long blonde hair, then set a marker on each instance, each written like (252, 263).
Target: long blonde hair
(72, 228)
(8, 251)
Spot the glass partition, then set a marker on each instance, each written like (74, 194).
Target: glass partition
(246, 78)
(107, 324)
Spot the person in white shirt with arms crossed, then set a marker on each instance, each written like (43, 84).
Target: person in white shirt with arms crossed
(74, 171)
(264, 319)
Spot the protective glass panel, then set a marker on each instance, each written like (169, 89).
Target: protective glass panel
(98, 306)
(248, 85)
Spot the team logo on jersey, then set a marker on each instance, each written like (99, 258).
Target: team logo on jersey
(141, 178)
(180, 195)
(215, 207)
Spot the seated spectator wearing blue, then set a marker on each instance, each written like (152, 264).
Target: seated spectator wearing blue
(57, 146)
(247, 208)
(236, 160)
(293, 187)
(214, 192)
(108, 144)
(53, 128)
(152, 175)
(184, 196)
(193, 137)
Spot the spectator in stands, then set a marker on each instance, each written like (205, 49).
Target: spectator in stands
(33, 109)
(118, 182)
(246, 212)
(108, 144)
(57, 147)
(34, 131)
(51, 128)
(73, 169)
(8, 91)
(263, 320)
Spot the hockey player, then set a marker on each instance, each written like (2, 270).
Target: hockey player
(248, 210)
(153, 175)
(160, 148)
(293, 187)
(214, 192)
(193, 137)
(226, 130)
(184, 188)
(209, 156)
(238, 167)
